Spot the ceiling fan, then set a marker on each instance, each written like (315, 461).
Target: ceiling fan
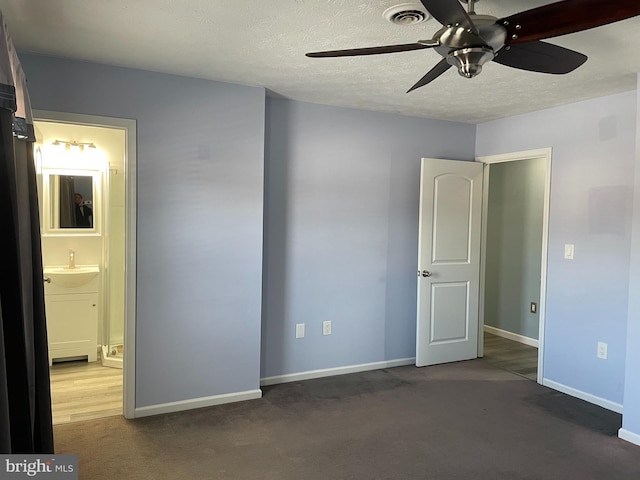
(468, 40)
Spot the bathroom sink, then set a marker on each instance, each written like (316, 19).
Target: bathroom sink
(70, 277)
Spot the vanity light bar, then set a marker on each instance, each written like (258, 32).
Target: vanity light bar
(68, 145)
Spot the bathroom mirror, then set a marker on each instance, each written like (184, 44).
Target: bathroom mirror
(72, 202)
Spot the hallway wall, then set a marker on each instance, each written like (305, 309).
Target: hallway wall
(514, 245)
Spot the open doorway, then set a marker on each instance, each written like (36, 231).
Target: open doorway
(88, 163)
(514, 260)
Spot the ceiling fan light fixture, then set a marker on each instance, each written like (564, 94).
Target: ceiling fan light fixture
(406, 14)
(469, 61)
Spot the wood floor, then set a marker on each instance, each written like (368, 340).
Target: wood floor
(512, 356)
(84, 391)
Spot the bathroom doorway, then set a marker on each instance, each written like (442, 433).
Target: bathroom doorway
(69, 149)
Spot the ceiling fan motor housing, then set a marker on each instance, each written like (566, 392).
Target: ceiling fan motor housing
(469, 61)
(467, 51)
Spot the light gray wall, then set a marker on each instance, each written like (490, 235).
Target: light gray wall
(341, 238)
(631, 418)
(592, 170)
(514, 245)
(200, 199)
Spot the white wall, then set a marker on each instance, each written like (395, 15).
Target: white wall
(590, 206)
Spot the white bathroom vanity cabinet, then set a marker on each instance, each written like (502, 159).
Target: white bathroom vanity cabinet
(71, 302)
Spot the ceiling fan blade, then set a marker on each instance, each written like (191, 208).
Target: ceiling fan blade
(441, 67)
(406, 47)
(540, 57)
(449, 12)
(565, 17)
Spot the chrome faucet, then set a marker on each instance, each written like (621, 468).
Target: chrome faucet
(72, 259)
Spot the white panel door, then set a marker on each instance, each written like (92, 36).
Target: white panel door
(448, 261)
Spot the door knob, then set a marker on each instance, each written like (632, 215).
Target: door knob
(426, 273)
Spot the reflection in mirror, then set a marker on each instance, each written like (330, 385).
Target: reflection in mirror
(71, 198)
(72, 201)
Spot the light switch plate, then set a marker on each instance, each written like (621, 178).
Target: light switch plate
(602, 350)
(299, 330)
(568, 251)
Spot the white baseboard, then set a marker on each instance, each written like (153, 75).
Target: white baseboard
(196, 403)
(255, 394)
(629, 436)
(587, 397)
(328, 372)
(532, 342)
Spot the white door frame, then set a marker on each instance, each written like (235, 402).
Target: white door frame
(129, 127)
(544, 153)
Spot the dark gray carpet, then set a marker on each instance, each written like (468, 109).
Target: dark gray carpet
(467, 420)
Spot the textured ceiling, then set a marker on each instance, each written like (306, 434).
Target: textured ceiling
(262, 43)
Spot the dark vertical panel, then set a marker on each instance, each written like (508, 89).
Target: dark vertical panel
(24, 377)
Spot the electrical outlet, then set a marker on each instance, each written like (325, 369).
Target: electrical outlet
(326, 327)
(533, 308)
(299, 330)
(602, 350)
